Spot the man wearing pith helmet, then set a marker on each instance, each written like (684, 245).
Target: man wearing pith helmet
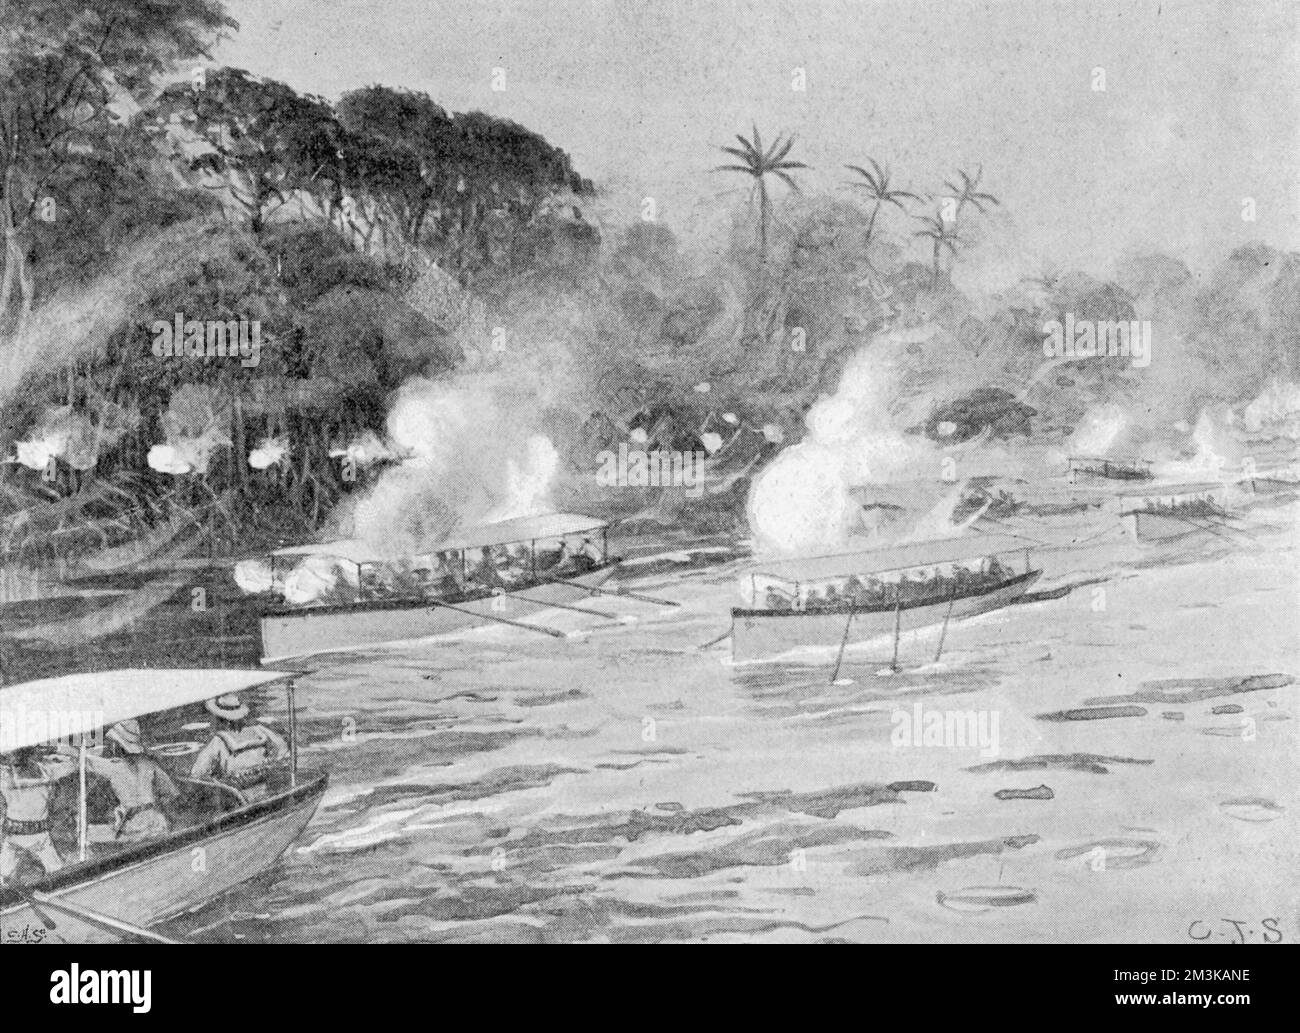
(241, 749)
(141, 786)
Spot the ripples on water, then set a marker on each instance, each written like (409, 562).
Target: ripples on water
(629, 787)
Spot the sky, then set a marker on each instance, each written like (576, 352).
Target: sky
(1198, 113)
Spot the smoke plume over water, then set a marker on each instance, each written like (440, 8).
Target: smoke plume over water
(802, 502)
(470, 459)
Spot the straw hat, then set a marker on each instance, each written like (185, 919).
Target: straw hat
(127, 735)
(227, 707)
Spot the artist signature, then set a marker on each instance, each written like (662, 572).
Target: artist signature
(1236, 930)
(27, 934)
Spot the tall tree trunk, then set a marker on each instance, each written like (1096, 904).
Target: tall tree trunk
(239, 450)
(762, 220)
(871, 224)
(14, 257)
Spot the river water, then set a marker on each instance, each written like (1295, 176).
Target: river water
(625, 785)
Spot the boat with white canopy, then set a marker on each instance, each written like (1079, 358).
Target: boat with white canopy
(350, 594)
(1109, 468)
(221, 832)
(1161, 512)
(820, 601)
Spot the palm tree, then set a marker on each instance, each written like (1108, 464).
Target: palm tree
(878, 190)
(759, 164)
(941, 232)
(966, 194)
(942, 235)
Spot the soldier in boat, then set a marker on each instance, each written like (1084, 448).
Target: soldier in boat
(486, 572)
(778, 599)
(588, 557)
(549, 560)
(514, 564)
(141, 786)
(240, 753)
(521, 563)
(1001, 571)
(26, 781)
(447, 579)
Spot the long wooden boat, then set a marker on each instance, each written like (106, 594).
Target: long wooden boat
(1166, 512)
(109, 890)
(901, 606)
(1108, 468)
(1267, 485)
(375, 619)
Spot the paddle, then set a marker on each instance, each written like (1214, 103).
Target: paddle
(713, 642)
(843, 642)
(40, 901)
(898, 624)
(500, 620)
(605, 591)
(564, 606)
(946, 617)
(1205, 527)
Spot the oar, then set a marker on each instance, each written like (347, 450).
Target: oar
(564, 606)
(1211, 522)
(946, 617)
(1206, 527)
(40, 901)
(713, 642)
(843, 642)
(606, 591)
(500, 620)
(898, 625)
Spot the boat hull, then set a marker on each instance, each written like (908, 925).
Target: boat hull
(1273, 486)
(161, 879)
(1156, 527)
(762, 634)
(332, 629)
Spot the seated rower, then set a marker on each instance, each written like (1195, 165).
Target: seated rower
(996, 571)
(521, 563)
(874, 593)
(588, 557)
(485, 573)
(139, 783)
(26, 780)
(554, 561)
(778, 600)
(447, 578)
(241, 752)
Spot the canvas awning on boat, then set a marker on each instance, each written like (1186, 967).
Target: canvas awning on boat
(521, 529)
(1152, 490)
(354, 550)
(896, 557)
(504, 532)
(36, 712)
(1117, 460)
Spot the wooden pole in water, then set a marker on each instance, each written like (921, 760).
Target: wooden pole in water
(898, 623)
(844, 641)
(944, 633)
